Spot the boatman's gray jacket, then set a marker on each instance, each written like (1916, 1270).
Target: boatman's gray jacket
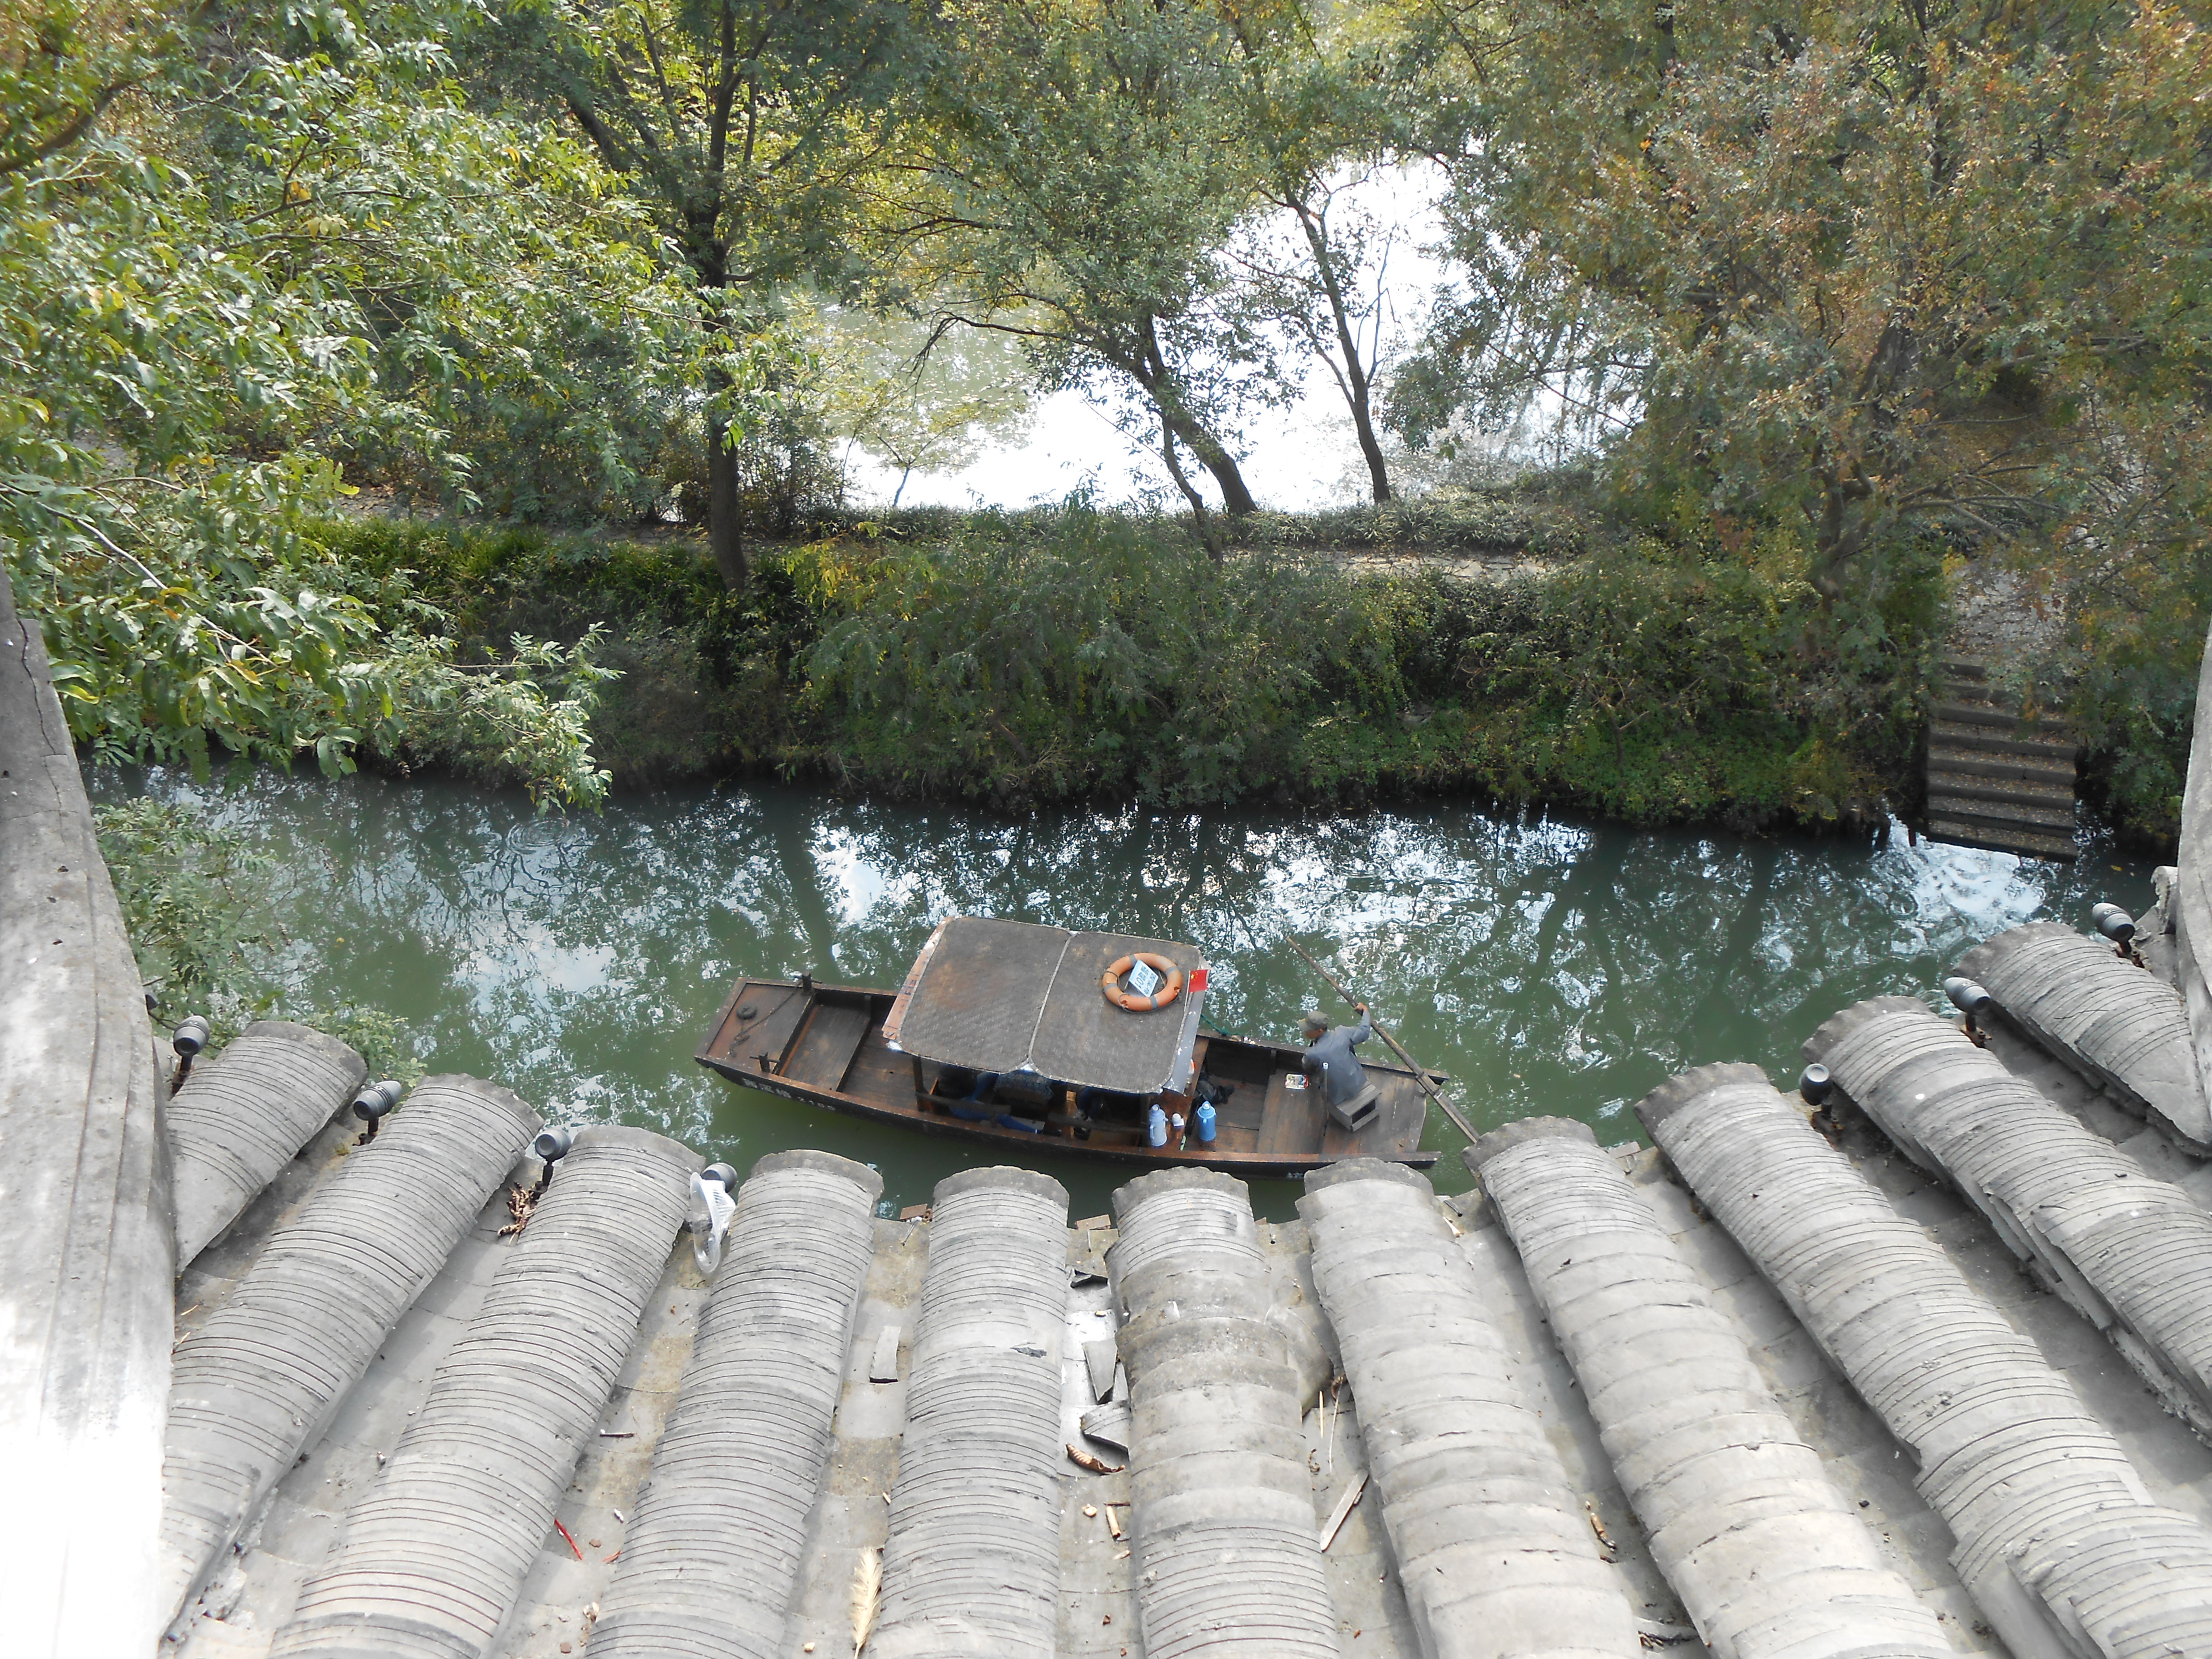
(1330, 1054)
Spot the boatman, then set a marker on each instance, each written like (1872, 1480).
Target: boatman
(1330, 1066)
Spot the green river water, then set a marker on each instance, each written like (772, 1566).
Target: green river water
(1550, 966)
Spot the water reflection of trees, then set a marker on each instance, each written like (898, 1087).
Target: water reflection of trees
(1553, 967)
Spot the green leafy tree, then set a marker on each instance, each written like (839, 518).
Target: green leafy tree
(132, 343)
(1083, 167)
(1894, 267)
(924, 402)
(750, 128)
(229, 264)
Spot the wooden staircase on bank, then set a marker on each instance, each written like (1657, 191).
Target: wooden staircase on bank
(1994, 778)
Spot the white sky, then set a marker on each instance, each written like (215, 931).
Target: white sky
(1302, 456)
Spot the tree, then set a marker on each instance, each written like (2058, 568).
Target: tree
(227, 261)
(1897, 267)
(922, 401)
(1317, 112)
(750, 127)
(1324, 284)
(1082, 167)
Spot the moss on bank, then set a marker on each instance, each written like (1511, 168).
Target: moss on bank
(1014, 659)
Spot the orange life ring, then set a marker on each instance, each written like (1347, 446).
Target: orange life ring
(1111, 983)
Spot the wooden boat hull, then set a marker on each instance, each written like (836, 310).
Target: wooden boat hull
(824, 1045)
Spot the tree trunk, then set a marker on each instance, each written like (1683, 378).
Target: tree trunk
(1358, 389)
(1236, 495)
(1838, 534)
(1148, 366)
(725, 535)
(1378, 473)
(1212, 542)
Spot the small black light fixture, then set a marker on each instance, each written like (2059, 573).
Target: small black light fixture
(1970, 999)
(188, 1040)
(372, 1104)
(551, 1147)
(2117, 926)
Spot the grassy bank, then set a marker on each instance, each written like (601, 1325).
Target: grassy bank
(1018, 658)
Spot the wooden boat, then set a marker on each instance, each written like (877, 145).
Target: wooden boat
(1003, 1035)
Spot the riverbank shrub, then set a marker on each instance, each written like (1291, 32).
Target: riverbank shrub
(197, 902)
(1019, 658)
(1522, 523)
(2125, 669)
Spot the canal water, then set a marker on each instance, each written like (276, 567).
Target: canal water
(1552, 966)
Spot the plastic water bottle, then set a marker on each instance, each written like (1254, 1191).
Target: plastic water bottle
(1202, 1119)
(1156, 1126)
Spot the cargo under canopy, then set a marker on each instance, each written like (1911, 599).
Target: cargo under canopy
(1012, 996)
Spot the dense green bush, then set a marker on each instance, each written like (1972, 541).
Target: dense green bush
(1069, 651)
(1445, 520)
(2126, 671)
(700, 687)
(196, 902)
(1546, 515)
(1023, 657)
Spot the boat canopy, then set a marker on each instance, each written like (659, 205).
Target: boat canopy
(1010, 996)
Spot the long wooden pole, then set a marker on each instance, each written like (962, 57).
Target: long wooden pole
(1397, 1048)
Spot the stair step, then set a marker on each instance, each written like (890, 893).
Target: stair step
(430, 1561)
(1423, 1357)
(2039, 797)
(255, 1385)
(2044, 819)
(2049, 769)
(975, 1516)
(1976, 713)
(717, 1540)
(1965, 833)
(2045, 742)
(243, 1114)
(1957, 712)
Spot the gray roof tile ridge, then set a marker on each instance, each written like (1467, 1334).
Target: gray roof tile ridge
(491, 1449)
(257, 1383)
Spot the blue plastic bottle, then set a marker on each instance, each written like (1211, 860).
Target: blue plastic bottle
(1156, 1126)
(1203, 1120)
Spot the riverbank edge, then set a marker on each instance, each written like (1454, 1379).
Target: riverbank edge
(715, 687)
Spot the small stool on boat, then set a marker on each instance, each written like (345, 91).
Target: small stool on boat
(1361, 1109)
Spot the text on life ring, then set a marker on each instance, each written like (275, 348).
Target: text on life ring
(1121, 997)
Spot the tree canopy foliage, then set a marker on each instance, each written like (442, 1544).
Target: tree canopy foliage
(1886, 266)
(747, 129)
(333, 262)
(1860, 279)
